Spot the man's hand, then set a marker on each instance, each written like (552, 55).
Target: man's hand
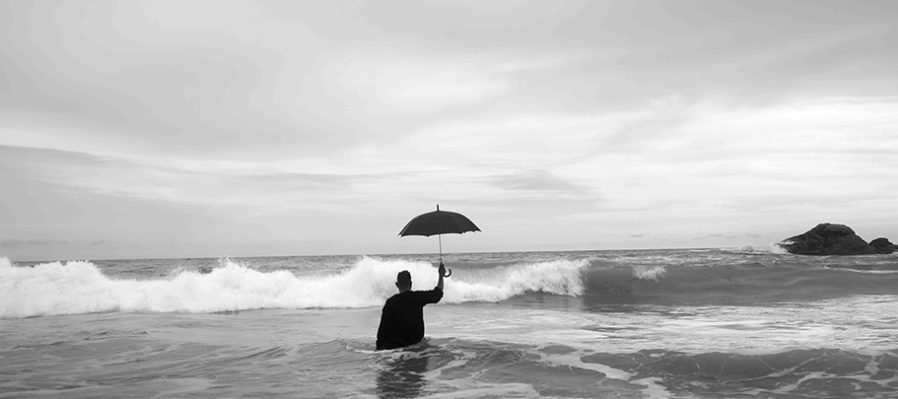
(441, 270)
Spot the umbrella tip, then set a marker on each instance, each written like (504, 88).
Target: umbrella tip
(438, 206)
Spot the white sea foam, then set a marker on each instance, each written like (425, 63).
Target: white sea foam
(80, 287)
(649, 273)
(560, 277)
(850, 270)
(769, 248)
(575, 359)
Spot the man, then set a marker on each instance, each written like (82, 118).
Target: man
(402, 320)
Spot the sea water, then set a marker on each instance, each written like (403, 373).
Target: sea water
(710, 323)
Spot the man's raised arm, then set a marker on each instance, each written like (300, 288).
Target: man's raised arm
(441, 270)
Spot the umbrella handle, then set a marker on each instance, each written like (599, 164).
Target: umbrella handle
(449, 270)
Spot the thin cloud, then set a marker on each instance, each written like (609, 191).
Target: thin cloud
(539, 181)
(18, 243)
(707, 237)
(386, 82)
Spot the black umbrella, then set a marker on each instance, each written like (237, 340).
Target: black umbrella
(436, 223)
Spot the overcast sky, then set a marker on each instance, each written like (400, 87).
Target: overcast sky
(222, 128)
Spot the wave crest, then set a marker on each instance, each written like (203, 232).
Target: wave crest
(774, 248)
(559, 277)
(649, 273)
(77, 287)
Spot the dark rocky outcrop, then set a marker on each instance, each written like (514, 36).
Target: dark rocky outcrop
(835, 239)
(883, 245)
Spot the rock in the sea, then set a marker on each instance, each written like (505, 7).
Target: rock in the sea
(835, 239)
(883, 245)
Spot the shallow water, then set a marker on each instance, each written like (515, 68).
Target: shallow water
(625, 324)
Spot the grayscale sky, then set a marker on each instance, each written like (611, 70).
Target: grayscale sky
(219, 128)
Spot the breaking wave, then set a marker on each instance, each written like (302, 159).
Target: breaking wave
(715, 277)
(759, 249)
(77, 287)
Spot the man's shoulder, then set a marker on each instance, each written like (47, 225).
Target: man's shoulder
(395, 297)
(400, 297)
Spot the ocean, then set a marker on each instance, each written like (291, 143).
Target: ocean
(675, 323)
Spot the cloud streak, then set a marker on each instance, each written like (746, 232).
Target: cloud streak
(18, 243)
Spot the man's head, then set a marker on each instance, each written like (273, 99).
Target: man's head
(404, 281)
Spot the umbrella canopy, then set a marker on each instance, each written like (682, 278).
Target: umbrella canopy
(436, 223)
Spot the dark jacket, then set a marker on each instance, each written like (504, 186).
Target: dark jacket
(402, 319)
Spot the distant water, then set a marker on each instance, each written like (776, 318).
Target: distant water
(712, 323)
